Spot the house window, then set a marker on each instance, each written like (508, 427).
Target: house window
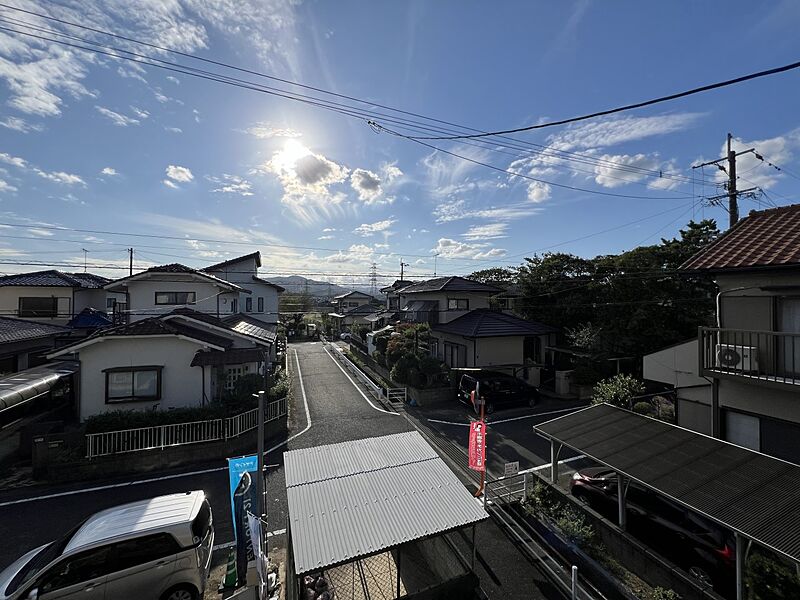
(130, 384)
(352, 304)
(235, 305)
(166, 298)
(248, 305)
(457, 304)
(261, 305)
(110, 303)
(38, 307)
(455, 355)
(743, 430)
(233, 373)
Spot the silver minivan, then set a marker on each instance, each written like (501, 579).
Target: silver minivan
(155, 549)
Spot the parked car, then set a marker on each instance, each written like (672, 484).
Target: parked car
(499, 390)
(155, 549)
(345, 337)
(700, 546)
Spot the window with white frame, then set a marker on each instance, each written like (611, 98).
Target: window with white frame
(132, 384)
(457, 304)
(233, 373)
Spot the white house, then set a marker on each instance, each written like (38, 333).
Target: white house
(53, 296)
(160, 290)
(262, 300)
(444, 299)
(182, 359)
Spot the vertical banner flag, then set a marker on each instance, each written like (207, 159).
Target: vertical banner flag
(243, 472)
(254, 525)
(477, 446)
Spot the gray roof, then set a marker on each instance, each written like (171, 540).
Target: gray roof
(31, 383)
(399, 284)
(53, 278)
(451, 284)
(352, 293)
(748, 492)
(176, 268)
(18, 330)
(247, 325)
(422, 306)
(232, 261)
(358, 498)
(484, 322)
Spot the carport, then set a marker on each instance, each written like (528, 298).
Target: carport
(754, 495)
(374, 518)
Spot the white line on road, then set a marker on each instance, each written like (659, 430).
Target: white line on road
(232, 544)
(305, 404)
(561, 462)
(490, 423)
(111, 486)
(358, 389)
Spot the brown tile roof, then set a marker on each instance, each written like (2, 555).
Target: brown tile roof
(766, 239)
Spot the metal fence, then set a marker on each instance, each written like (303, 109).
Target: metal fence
(179, 434)
(380, 394)
(397, 395)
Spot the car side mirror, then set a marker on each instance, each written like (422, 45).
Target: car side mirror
(33, 594)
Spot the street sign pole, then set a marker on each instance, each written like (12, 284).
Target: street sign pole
(479, 399)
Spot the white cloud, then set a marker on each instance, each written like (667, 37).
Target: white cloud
(170, 184)
(179, 174)
(14, 161)
(196, 114)
(366, 184)
(370, 229)
(232, 184)
(456, 210)
(265, 130)
(174, 80)
(327, 237)
(600, 133)
(20, 125)
(139, 112)
(173, 129)
(490, 231)
(54, 176)
(327, 229)
(777, 150)
(6, 187)
(132, 71)
(449, 248)
(354, 254)
(116, 118)
(110, 171)
(40, 232)
(538, 191)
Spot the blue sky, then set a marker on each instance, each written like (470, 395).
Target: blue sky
(97, 143)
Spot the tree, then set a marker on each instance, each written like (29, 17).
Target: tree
(495, 275)
(619, 390)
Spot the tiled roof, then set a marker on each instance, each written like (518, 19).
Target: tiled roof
(158, 326)
(53, 278)
(233, 261)
(18, 330)
(491, 323)
(397, 285)
(234, 356)
(247, 325)
(171, 268)
(177, 268)
(764, 239)
(451, 284)
(351, 293)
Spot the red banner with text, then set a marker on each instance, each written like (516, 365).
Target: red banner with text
(477, 446)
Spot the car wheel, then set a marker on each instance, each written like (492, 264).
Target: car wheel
(701, 575)
(180, 592)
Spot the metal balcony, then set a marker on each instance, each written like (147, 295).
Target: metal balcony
(769, 357)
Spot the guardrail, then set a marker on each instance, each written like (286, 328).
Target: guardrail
(381, 394)
(179, 434)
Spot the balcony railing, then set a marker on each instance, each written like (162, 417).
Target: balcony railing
(769, 356)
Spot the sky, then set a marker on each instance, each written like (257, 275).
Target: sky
(203, 171)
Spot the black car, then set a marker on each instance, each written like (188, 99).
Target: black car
(698, 545)
(498, 390)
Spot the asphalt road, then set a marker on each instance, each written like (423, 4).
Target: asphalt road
(33, 516)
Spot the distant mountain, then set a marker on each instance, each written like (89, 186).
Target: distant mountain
(296, 284)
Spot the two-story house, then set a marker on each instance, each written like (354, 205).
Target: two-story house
(751, 357)
(52, 296)
(351, 310)
(160, 290)
(443, 299)
(261, 302)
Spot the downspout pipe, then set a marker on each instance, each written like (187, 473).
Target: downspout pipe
(719, 299)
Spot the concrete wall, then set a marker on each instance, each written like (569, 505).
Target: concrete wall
(676, 366)
(181, 384)
(210, 298)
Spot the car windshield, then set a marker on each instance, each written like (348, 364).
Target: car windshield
(498, 384)
(39, 561)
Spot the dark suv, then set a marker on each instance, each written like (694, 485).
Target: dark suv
(498, 390)
(698, 545)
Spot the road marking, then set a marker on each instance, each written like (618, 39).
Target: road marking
(111, 486)
(358, 389)
(490, 423)
(232, 544)
(305, 404)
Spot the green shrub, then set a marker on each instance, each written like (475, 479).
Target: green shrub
(618, 390)
(379, 358)
(643, 408)
(660, 593)
(574, 527)
(117, 420)
(586, 375)
(381, 342)
(416, 378)
(770, 579)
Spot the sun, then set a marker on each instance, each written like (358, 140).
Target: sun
(292, 151)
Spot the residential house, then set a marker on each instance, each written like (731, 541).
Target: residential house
(444, 299)
(352, 310)
(752, 355)
(53, 296)
(181, 359)
(390, 312)
(24, 343)
(160, 290)
(486, 338)
(353, 299)
(262, 301)
(392, 293)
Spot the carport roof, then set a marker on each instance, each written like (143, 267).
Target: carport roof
(358, 498)
(751, 493)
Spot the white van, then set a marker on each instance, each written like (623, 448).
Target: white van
(156, 549)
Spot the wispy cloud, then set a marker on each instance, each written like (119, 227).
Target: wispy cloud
(450, 248)
(231, 184)
(21, 125)
(490, 231)
(370, 229)
(116, 118)
(265, 130)
(54, 176)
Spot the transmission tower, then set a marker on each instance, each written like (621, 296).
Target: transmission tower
(373, 279)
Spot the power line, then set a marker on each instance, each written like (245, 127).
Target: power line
(601, 113)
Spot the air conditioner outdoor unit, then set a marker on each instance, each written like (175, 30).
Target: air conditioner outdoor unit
(737, 358)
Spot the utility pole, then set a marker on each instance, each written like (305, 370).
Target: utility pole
(732, 193)
(130, 261)
(84, 259)
(402, 266)
(435, 256)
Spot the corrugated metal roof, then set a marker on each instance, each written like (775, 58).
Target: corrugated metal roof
(763, 239)
(17, 330)
(484, 322)
(30, 383)
(357, 498)
(746, 491)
